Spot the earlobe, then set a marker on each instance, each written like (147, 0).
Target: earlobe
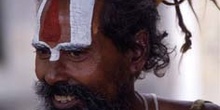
(139, 53)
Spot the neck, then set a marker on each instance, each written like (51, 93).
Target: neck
(130, 100)
(137, 102)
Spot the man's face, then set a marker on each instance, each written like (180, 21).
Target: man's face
(80, 79)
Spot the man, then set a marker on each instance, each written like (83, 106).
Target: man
(89, 53)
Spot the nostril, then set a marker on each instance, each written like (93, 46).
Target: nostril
(52, 78)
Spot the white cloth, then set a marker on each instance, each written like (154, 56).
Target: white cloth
(144, 97)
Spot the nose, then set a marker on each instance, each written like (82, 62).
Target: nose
(56, 73)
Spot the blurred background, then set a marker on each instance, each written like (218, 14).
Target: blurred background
(197, 76)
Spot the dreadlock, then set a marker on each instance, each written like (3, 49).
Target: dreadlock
(187, 45)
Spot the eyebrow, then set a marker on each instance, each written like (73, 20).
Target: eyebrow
(62, 46)
(72, 47)
(39, 46)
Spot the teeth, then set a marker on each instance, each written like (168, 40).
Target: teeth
(63, 99)
(69, 98)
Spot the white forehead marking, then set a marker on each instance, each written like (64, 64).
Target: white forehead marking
(39, 13)
(81, 14)
(55, 55)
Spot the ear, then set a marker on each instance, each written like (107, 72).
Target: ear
(137, 56)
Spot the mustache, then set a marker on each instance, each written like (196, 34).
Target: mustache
(92, 100)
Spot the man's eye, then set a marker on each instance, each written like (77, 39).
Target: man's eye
(43, 53)
(75, 55)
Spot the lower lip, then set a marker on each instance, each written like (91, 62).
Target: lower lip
(70, 104)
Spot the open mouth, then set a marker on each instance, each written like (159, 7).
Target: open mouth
(66, 102)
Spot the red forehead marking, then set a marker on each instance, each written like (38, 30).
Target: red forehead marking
(50, 27)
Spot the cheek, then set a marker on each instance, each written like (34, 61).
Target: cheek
(86, 72)
(93, 73)
(111, 78)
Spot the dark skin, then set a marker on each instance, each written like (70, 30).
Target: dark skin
(102, 67)
(94, 67)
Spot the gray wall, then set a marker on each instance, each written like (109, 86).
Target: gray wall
(17, 72)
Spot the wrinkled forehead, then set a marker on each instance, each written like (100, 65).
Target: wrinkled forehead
(64, 22)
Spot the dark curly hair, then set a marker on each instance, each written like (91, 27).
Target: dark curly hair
(122, 19)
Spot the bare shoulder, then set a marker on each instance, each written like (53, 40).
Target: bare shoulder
(167, 104)
(211, 106)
